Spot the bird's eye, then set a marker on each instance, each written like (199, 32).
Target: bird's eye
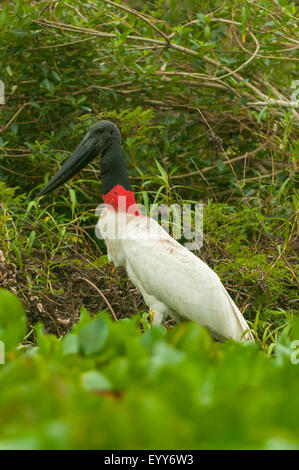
(101, 130)
(111, 132)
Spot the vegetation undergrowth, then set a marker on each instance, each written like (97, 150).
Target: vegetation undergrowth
(108, 385)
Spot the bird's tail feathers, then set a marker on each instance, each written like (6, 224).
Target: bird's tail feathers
(246, 334)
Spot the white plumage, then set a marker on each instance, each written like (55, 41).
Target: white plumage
(172, 280)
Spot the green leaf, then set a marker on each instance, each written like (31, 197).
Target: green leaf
(3, 17)
(166, 354)
(70, 344)
(93, 336)
(14, 128)
(220, 164)
(9, 71)
(94, 381)
(11, 308)
(207, 32)
(73, 200)
(31, 239)
(55, 75)
(85, 319)
(12, 320)
(48, 85)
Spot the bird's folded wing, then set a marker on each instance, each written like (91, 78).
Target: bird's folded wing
(175, 276)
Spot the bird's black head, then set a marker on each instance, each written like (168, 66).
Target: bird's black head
(100, 137)
(103, 134)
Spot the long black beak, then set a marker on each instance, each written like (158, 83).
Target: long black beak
(83, 154)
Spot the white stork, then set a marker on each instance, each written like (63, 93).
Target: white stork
(172, 280)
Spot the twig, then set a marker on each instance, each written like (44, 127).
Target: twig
(93, 32)
(229, 161)
(76, 10)
(209, 168)
(255, 53)
(19, 174)
(268, 175)
(63, 44)
(272, 102)
(3, 128)
(138, 14)
(205, 179)
(101, 293)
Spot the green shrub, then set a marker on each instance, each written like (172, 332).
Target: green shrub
(106, 385)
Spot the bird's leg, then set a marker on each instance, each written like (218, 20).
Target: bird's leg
(156, 317)
(158, 310)
(152, 314)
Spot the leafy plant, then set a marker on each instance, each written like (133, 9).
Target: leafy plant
(177, 389)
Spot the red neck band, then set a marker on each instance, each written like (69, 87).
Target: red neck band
(121, 200)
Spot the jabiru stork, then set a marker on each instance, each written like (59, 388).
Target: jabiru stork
(172, 280)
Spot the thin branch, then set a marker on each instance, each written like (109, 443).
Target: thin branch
(268, 175)
(63, 44)
(102, 295)
(138, 14)
(209, 168)
(272, 102)
(93, 32)
(5, 127)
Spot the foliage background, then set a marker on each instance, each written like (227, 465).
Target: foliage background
(204, 96)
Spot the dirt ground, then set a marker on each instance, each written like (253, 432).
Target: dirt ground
(57, 303)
